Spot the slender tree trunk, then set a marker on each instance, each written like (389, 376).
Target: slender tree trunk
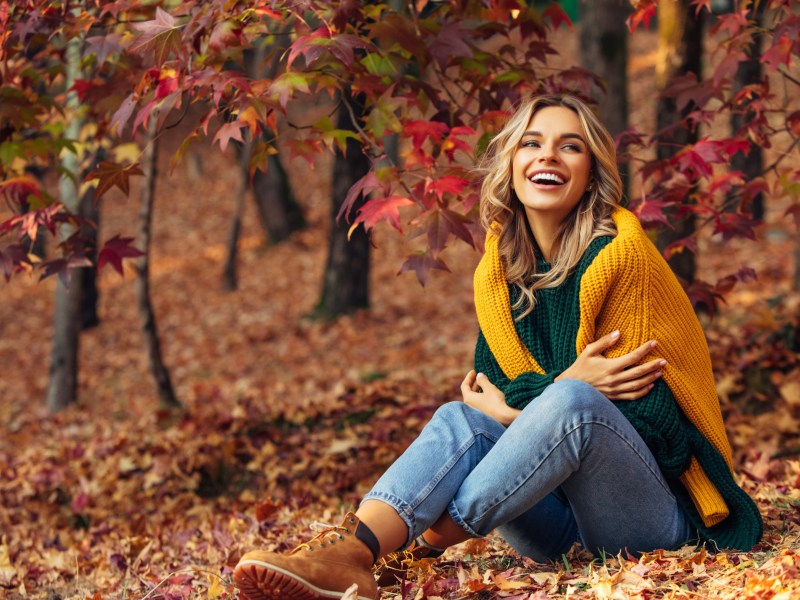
(90, 293)
(166, 393)
(749, 72)
(679, 52)
(88, 275)
(229, 271)
(604, 52)
(63, 382)
(346, 281)
(278, 210)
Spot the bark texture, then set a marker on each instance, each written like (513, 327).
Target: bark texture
(62, 386)
(679, 53)
(345, 285)
(166, 393)
(749, 72)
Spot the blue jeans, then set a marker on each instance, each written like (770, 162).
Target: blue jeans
(569, 468)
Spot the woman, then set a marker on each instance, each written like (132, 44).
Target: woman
(591, 415)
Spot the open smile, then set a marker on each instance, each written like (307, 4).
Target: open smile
(547, 179)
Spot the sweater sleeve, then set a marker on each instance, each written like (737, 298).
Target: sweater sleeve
(519, 391)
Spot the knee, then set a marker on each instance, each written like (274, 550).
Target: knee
(572, 396)
(451, 411)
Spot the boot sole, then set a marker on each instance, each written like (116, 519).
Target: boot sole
(258, 580)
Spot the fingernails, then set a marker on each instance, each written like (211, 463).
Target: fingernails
(658, 374)
(663, 363)
(615, 333)
(481, 375)
(653, 344)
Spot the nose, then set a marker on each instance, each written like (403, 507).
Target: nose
(547, 153)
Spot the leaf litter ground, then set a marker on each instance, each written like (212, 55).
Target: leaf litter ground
(290, 420)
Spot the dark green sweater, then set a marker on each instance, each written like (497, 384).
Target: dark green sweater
(549, 332)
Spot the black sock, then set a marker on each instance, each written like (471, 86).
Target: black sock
(365, 534)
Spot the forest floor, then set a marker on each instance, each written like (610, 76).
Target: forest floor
(289, 420)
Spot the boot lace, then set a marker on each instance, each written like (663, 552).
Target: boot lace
(327, 535)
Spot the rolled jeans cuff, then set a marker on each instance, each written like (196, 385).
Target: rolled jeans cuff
(458, 519)
(403, 509)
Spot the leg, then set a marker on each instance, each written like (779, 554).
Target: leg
(420, 484)
(574, 438)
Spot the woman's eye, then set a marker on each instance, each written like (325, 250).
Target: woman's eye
(530, 144)
(573, 147)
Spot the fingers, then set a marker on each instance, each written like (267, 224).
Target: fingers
(468, 384)
(484, 383)
(634, 395)
(604, 343)
(641, 371)
(634, 356)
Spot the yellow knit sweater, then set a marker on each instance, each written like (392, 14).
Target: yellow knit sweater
(630, 287)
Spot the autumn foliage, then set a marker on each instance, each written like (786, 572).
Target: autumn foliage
(132, 503)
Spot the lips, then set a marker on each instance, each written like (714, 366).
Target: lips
(551, 178)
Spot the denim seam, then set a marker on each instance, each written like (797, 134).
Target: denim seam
(441, 473)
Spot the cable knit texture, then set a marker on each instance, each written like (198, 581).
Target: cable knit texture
(624, 283)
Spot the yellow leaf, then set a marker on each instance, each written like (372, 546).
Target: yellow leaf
(506, 584)
(791, 392)
(126, 153)
(7, 570)
(215, 587)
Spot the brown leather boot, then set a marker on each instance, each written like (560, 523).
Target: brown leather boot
(324, 567)
(392, 568)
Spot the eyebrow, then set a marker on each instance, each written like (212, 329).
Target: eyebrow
(564, 136)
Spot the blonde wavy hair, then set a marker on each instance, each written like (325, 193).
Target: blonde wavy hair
(502, 212)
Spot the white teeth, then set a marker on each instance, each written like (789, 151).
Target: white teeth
(546, 177)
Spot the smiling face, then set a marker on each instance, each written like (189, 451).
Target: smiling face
(551, 168)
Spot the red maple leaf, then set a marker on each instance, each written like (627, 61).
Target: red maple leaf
(419, 131)
(381, 209)
(422, 264)
(228, 132)
(363, 186)
(447, 184)
(780, 53)
(161, 36)
(102, 46)
(111, 174)
(557, 16)
(114, 250)
(644, 11)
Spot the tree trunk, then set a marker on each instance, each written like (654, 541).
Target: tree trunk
(749, 72)
(278, 211)
(346, 281)
(90, 294)
(604, 52)
(88, 275)
(166, 393)
(679, 52)
(62, 386)
(229, 272)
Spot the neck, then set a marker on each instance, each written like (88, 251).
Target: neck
(544, 233)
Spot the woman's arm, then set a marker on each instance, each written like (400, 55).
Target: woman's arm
(618, 378)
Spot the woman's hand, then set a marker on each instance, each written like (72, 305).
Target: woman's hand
(616, 378)
(478, 392)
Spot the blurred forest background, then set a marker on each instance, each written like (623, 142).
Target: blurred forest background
(260, 362)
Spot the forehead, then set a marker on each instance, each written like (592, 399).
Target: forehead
(555, 119)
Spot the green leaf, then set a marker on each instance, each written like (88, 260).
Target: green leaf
(9, 151)
(382, 118)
